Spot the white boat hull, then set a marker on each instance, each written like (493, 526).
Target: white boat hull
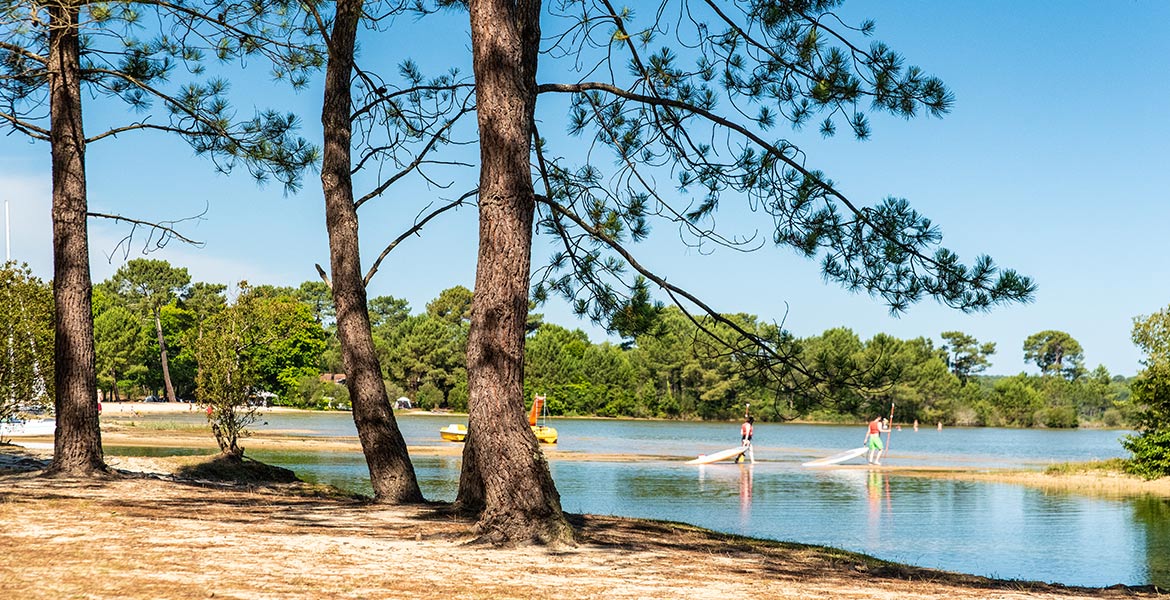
(729, 454)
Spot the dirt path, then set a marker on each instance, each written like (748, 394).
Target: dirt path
(152, 536)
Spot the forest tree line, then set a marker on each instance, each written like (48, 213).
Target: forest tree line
(675, 371)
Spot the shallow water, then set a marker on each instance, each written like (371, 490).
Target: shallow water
(984, 528)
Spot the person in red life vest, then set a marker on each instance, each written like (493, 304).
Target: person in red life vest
(746, 430)
(745, 438)
(873, 440)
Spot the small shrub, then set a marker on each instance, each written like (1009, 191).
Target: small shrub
(1151, 453)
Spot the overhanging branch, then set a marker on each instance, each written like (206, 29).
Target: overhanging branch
(160, 233)
(414, 230)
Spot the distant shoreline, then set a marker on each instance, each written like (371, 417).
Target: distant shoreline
(114, 408)
(1086, 479)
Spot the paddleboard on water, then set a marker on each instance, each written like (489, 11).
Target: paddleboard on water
(33, 427)
(836, 458)
(730, 453)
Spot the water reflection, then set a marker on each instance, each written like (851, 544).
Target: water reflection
(1154, 513)
(877, 490)
(745, 493)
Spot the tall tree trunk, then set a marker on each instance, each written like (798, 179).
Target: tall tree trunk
(77, 446)
(520, 500)
(162, 345)
(469, 499)
(391, 472)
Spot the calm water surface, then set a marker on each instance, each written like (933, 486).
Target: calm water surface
(989, 529)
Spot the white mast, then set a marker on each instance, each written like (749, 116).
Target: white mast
(7, 235)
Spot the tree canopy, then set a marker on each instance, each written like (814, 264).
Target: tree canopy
(26, 341)
(1151, 394)
(1056, 353)
(966, 356)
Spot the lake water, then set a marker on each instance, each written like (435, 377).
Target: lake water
(991, 529)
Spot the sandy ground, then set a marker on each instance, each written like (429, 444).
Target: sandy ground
(148, 533)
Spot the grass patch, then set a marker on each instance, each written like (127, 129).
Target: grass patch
(1112, 465)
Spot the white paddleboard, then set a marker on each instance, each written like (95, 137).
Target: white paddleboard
(28, 428)
(730, 453)
(836, 458)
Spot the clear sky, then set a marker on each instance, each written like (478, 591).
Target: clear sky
(1054, 161)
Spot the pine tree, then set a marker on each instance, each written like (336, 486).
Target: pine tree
(63, 54)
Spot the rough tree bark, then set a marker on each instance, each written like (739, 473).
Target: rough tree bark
(391, 472)
(77, 445)
(166, 367)
(520, 500)
(469, 500)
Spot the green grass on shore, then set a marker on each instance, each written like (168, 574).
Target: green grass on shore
(1112, 465)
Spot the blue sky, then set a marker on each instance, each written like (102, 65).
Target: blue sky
(1054, 161)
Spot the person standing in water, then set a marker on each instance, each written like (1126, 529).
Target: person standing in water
(873, 441)
(745, 437)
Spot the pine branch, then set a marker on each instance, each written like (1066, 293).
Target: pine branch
(25, 52)
(26, 128)
(164, 229)
(1010, 287)
(435, 139)
(414, 230)
(138, 126)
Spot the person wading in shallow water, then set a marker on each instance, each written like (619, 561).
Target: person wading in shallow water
(745, 437)
(873, 440)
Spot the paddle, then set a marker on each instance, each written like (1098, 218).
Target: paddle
(889, 431)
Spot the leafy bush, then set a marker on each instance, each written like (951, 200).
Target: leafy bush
(1058, 417)
(1151, 445)
(1151, 453)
